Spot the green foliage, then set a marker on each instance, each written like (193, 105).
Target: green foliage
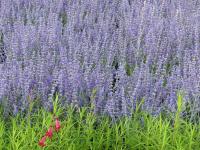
(63, 18)
(83, 129)
(129, 69)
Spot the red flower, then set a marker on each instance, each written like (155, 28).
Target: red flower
(57, 126)
(42, 141)
(49, 133)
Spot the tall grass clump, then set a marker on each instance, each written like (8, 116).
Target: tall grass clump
(82, 129)
(104, 53)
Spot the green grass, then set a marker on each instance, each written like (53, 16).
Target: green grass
(81, 129)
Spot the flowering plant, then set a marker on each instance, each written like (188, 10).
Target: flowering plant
(49, 133)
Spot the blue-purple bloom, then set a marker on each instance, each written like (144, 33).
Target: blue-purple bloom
(123, 50)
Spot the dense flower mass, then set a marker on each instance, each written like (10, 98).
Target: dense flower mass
(109, 53)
